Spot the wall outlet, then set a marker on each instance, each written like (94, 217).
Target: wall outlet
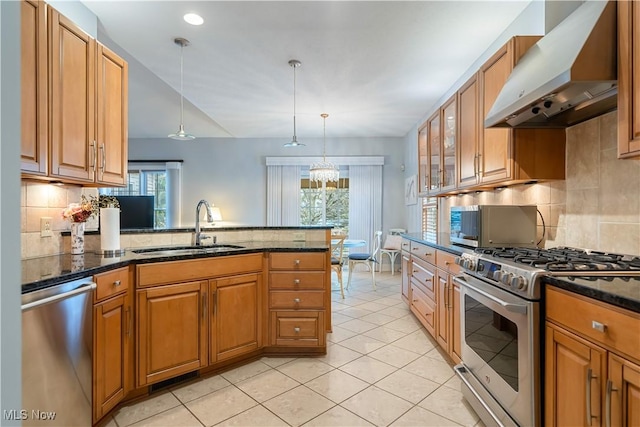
(46, 227)
(299, 236)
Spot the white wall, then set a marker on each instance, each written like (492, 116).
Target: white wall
(232, 173)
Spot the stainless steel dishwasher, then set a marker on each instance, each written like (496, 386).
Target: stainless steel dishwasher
(57, 344)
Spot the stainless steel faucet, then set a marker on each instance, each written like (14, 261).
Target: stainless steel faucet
(199, 235)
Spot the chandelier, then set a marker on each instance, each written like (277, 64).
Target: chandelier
(324, 171)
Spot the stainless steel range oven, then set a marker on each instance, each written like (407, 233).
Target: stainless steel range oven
(501, 309)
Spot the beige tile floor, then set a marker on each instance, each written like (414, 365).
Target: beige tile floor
(381, 369)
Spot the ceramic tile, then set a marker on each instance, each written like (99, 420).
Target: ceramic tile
(404, 324)
(338, 355)
(357, 325)
(377, 406)
(266, 385)
(407, 386)
(299, 405)
(418, 416)
(276, 361)
(303, 370)
(373, 306)
(172, 417)
(454, 383)
(620, 238)
(246, 371)
(130, 414)
(450, 404)
(256, 416)
(355, 312)
(337, 385)
(396, 311)
(338, 417)
(431, 369)
(378, 318)
(368, 369)
(386, 335)
(337, 318)
(191, 391)
(220, 405)
(619, 190)
(418, 342)
(340, 334)
(394, 356)
(362, 344)
(583, 152)
(609, 130)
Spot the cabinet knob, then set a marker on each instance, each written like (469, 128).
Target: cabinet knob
(296, 262)
(296, 281)
(296, 300)
(296, 329)
(116, 283)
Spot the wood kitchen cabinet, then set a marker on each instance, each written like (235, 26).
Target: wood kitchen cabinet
(592, 371)
(423, 286)
(628, 81)
(448, 305)
(297, 299)
(33, 80)
(74, 102)
(194, 313)
(172, 328)
(113, 340)
(406, 277)
(236, 316)
(437, 150)
(500, 156)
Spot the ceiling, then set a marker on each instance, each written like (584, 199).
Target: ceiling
(375, 67)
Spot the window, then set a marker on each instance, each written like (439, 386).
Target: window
(312, 209)
(150, 179)
(430, 218)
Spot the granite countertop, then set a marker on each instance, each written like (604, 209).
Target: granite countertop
(43, 272)
(441, 242)
(620, 291)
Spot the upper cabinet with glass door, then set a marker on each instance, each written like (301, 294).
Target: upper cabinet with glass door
(448, 120)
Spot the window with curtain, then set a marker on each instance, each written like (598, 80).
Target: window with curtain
(336, 211)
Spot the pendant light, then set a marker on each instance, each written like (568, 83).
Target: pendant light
(324, 171)
(181, 135)
(294, 63)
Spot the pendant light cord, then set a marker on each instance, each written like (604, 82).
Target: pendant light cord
(181, 84)
(324, 137)
(294, 101)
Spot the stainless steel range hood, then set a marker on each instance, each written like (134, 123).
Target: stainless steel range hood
(567, 77)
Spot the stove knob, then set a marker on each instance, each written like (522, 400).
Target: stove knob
(506, 278)
(480, 267)
(458, 260)
(519, 282)
(497, 275)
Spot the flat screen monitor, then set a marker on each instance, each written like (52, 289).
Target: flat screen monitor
(136, 212)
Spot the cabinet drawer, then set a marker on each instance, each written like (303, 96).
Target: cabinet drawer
(446, 261)
(424, 308)
(423, 273)
(406, 245)
(297, 261)
(297, 280)
(111, 283)
(296, 300)
(424, 252)
(297, 329)
(619, 330)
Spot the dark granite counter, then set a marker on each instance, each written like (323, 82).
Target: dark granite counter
(619, 291)
(440, 242)
(43, 272)
(208, 229)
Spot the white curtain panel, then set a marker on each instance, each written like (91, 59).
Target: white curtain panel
(365, 204)
(283, 195)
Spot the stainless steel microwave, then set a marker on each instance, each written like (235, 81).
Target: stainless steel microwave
(484, 226)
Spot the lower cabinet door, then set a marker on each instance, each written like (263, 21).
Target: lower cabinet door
(172, 331)
(235, 323)
(112, 349)
(622, 393)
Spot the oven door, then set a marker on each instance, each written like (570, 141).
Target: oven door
(500, 340)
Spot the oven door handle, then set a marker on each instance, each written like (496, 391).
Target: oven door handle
(514, 308)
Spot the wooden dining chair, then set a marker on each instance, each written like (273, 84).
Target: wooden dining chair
(337, 260)
(369, 259)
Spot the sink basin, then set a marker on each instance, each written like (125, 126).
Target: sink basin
(185, 250)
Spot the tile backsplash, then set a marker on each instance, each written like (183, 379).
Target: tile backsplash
(597, 206)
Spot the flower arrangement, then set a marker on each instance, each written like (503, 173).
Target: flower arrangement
(81, 212)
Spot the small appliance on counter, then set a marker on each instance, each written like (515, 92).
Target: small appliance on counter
(493, 226)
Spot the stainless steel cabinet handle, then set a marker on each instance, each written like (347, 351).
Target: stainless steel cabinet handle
(514, 308)
(446, 296)
(204, 305)
(607, 404)
(590, 376)
(94, 153)
(296, 330)
(104, 158)
(598, 326)
(117, 283)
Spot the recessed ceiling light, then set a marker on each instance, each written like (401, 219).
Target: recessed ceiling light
(193, 19)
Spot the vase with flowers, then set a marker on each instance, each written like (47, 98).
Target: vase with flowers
(78, 214)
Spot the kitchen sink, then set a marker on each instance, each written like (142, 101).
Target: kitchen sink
(185, 250)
